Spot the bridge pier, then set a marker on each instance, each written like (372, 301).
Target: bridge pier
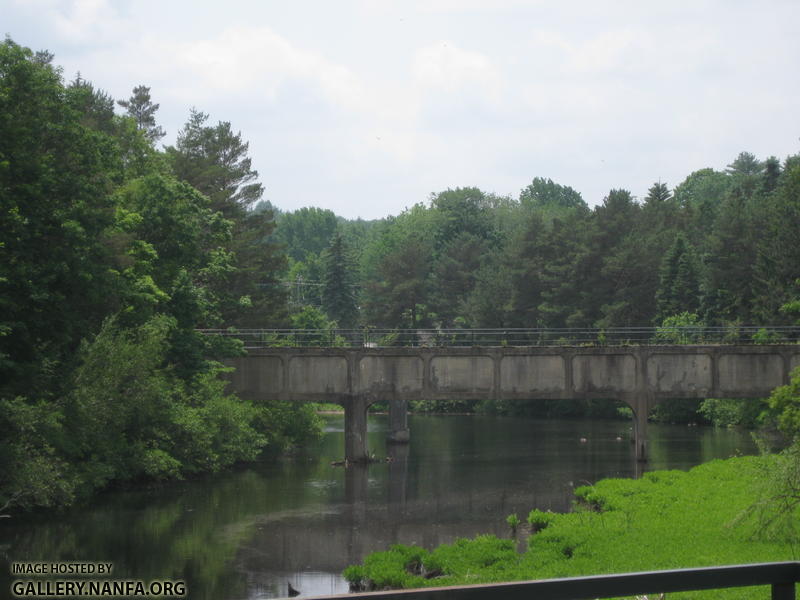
(399, 432)
(355, 429)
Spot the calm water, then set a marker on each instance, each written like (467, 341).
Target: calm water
(249, 532)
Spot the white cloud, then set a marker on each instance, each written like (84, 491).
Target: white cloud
(446, 67)
(374, 104)
(78, 21)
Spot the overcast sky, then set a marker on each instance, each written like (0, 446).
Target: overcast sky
(366, 107)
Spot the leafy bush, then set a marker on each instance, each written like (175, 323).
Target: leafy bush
(538, 519)
(784, 403)
(683, 328)
(513, 522)
(731, 412)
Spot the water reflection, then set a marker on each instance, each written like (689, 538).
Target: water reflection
(251, 532)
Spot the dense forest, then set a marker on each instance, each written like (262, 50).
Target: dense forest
(115, 251)
(721, 246)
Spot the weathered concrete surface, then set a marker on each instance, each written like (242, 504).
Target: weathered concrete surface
(641, 376)
(680, 374)
(748, 374)
(532, 374)
(603, 374)
(402, 374)
(460, 374)
(258, 377)
(318, 375)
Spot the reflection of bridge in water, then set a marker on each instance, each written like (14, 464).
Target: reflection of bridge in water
(344, 534)
(641, 376)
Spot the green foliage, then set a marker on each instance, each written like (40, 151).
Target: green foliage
(665, 520)
(411, 566)
(513, 522)
(306, 231)
(544, 193)
(31, 472)
(678, 410)
(142, 110)
(764, 336)
(138, 419)
(784, 404)
(339, 298)
(109, 262)
(776, 513)
(397, 293)
(683, 328)
(214, 160)
(322, 329)
(538, 519)
(56, 178)
(733, 412)
(679, 284)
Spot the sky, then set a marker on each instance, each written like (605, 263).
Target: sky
(367, 107)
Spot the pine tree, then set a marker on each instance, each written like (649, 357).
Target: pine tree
(338, 292)
(679, 288)
(214, 160)
(141, 108)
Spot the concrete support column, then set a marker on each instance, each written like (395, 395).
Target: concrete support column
(398, 421)
(640, 413)
(355, 429)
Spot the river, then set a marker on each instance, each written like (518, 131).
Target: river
(249, 532)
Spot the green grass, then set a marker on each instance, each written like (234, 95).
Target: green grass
(666, 520)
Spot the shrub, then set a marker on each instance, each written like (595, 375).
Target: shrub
(538, 519)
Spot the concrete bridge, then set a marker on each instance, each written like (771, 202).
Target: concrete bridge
(641, 376)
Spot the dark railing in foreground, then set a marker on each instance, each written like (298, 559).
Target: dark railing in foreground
(435, 338)
(781, 576)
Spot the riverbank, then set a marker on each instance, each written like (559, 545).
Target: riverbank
(666, 519)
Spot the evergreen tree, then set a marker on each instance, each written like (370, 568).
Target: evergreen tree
(453, 276)
(398, 290)
(95, 106)
(777, 265)
(214, 160)
(770, 176)
(141, 108)
(679, 288)
(489, 304)
(746, 164)
(530, 255)
(658, 192)
(728, 284)
(605, 268)
(338, 291)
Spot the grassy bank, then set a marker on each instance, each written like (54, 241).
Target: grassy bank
(668, 519)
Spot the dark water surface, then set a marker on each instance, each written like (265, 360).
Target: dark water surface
(247, 533)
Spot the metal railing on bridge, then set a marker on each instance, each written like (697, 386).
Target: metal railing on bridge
(509, 337)
(781, 577)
